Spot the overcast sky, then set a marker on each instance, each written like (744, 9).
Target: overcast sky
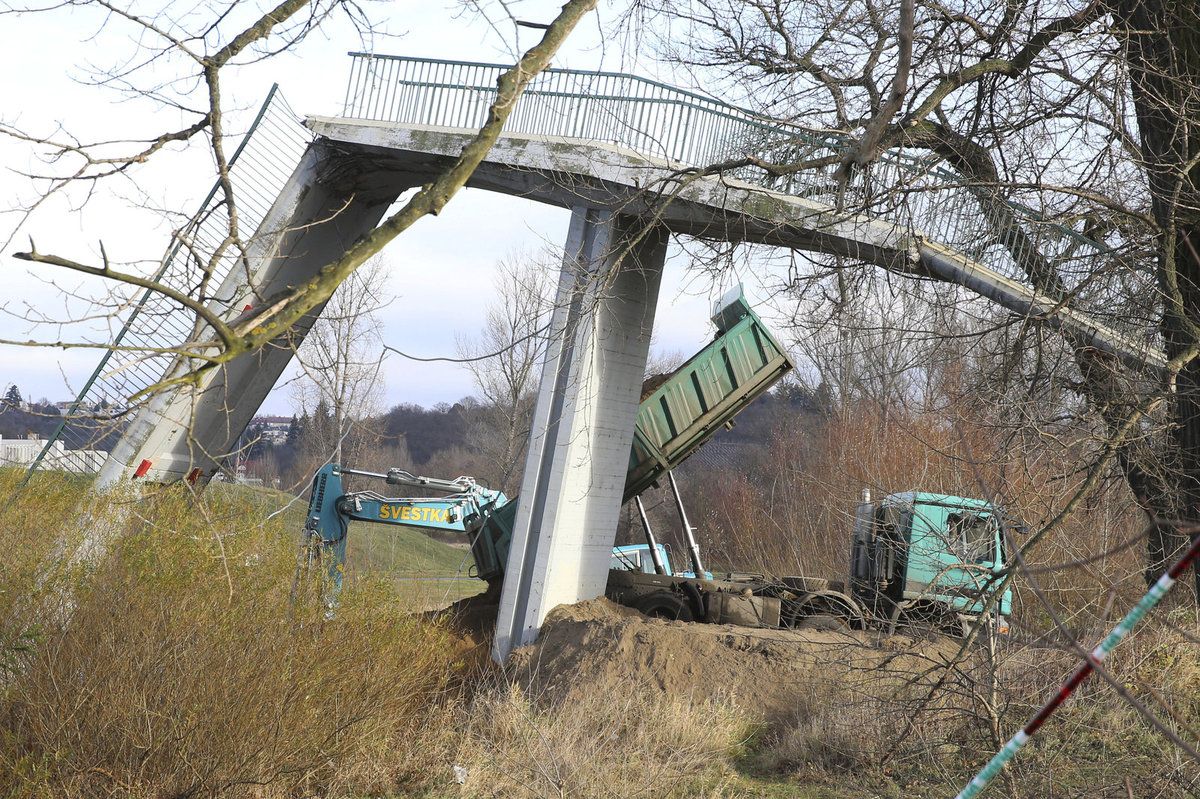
(441, 269)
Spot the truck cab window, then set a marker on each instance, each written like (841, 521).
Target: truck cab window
(972, 536)
(627, 561)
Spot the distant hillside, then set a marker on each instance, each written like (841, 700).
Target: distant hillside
(42, 420)
(760, 421)
(425, 430)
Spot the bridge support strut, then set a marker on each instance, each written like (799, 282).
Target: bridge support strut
(583, 421)
(185, 433)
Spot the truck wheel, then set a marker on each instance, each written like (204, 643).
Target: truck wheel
(826, 622)
(816, 612)
(665, 605)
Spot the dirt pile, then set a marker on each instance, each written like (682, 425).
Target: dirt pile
(471, 622)
(473, 617)
(776, 673)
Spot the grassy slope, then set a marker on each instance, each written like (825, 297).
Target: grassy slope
(1097, 746)
(429, 574)
(399, 551)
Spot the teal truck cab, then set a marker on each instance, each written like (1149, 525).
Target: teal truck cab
(931, 556)
(640, 558)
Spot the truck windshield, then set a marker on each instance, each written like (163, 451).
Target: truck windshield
(973, 536)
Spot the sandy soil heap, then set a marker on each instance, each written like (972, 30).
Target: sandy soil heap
(599, 644)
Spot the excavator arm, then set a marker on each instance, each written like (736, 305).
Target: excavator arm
(467, 508)
(676, 417)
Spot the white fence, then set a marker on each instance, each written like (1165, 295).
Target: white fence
(24, 451)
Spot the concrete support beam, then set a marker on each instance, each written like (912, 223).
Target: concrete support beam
(583, 421)
(572, 172)
(185, 433)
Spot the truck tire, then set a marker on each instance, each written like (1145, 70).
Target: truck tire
(825, 622)
(828, 611)
(665, 605)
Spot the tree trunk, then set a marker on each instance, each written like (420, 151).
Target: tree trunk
(1154, 484)
(1162, 46)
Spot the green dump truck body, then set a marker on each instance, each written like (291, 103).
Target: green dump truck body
(742, 362)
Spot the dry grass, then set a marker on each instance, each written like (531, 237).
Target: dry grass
(174, 664)
(832, 735)
(1098, 744)
(636, 743)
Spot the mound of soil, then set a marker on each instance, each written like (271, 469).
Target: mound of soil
(473, 617)
(776, 673)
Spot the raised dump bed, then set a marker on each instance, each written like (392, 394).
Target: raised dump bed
(715, 384)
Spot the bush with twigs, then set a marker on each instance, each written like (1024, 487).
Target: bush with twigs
(174, 661)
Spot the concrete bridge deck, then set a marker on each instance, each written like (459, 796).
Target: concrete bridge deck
(569, 172)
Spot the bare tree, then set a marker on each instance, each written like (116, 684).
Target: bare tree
(504, 360)
(1028, 104)
(1074, 128)
(342, 357)
(886, 344)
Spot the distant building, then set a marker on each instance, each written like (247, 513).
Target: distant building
(21, 452)
(273, 429)
(102, 410)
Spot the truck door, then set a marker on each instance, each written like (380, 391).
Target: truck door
(954, 552)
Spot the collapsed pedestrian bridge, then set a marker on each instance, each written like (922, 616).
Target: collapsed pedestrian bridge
(635, 161)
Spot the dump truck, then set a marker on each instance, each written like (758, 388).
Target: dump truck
(912, 556)
(917, 559)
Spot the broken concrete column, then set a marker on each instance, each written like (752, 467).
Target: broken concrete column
(184, 433)
(583, 421)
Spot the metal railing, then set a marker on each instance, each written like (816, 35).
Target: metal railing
(646, 116)
(259, 168)
(687, 129)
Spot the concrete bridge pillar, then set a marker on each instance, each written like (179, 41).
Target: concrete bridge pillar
(583, 420)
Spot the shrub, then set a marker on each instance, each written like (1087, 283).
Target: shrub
(175, 662)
